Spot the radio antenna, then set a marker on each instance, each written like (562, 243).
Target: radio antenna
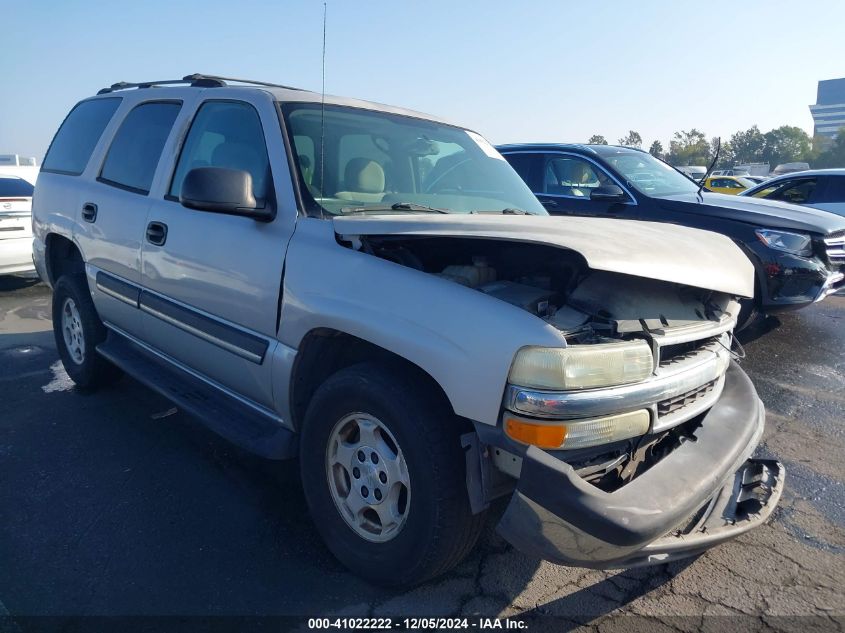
(323, 114)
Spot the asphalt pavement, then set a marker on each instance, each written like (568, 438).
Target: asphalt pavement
(115, 504)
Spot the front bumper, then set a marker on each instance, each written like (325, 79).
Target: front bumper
(705, 492)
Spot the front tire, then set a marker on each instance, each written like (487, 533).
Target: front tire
(78, 330)
(384, 475)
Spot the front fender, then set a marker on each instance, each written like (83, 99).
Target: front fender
(464, 339)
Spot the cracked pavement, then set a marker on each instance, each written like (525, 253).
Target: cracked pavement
(115, 504)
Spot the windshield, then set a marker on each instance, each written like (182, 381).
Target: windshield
(385, 163)
(647, 174)
(746, 182)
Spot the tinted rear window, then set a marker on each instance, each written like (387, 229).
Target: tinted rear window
(75, 141)
(134, 153)
(15, 188)
(834, 190)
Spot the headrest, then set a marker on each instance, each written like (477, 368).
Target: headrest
(364, 175)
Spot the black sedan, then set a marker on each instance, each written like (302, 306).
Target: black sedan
(798, 252)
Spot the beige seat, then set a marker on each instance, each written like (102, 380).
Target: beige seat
(363, 180)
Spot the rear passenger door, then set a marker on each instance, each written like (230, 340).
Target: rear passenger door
(113, 209)
(211, 281)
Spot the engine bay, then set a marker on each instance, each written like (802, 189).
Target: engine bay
(556, 285)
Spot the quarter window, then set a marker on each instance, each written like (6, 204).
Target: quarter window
(78, 136)
(136, 148)
(226, 134)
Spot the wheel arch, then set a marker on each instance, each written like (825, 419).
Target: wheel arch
(325, 351)
(62, 256)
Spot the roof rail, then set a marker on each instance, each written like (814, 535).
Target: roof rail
(223, 80)
(196, 80)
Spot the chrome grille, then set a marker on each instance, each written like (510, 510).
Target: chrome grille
(835, 247)
(671, 354)
(671, 405)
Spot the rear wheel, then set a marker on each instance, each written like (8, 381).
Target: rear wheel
(384, 475)
(78, 330)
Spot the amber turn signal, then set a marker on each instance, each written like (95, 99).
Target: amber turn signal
(541, 435)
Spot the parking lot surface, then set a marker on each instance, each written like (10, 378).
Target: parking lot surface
(115, 503)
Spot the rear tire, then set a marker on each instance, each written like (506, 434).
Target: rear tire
(419, 466)
(78, 330)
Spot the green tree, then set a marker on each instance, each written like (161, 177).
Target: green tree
(727, 159)
(656, 149)
(834, 155)
(786, 144)
(689, 148)
(747, 146)
(597, 139)
(633, 139)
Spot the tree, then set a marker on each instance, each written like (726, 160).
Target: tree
(632, 140)
(748, 145)
(597, 139)
(656, 149)
(786, 144)
(834, 155)
(727, 158)
(689, 148)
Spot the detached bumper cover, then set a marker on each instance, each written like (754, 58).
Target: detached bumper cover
(705, 492)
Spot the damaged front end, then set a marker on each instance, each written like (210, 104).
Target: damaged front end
(630, 443)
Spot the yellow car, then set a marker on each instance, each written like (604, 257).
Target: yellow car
(729, 184)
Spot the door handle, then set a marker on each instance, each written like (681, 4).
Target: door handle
(157, 233)
(89, 212)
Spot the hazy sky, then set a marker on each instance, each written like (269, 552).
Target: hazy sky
(516, 71)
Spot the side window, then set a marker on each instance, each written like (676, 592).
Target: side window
(78, 135)
(834, 190)
(526, 166)
(226, 134)
(796, 191)
(135, 151)
(722, 183)
(571, 176)
(304, 147)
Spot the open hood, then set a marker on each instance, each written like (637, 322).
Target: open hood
(666, 252)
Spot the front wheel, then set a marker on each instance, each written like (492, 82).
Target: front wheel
(384, 476)
(78, 330)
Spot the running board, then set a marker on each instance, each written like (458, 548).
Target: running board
(222, 413)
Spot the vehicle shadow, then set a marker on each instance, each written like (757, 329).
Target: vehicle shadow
(763, 325)
(10, 283)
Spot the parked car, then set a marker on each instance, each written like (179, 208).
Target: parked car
(378, 293)
(756, 179)
(798, 253)
(15, 225)
(730, 185)
(789, 168)
(819, 188)
(729, 172)
(695, 172)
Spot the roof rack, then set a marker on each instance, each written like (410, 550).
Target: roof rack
(196, 80)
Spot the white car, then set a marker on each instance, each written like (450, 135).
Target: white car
(15, 225)
(820, 188)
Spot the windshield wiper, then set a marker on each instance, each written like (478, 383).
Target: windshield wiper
(506, 211)
(398, 206)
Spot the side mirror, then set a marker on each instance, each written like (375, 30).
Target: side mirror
(608, 193)
(221, 190)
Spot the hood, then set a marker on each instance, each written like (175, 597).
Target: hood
(666, 252)
(763, 213)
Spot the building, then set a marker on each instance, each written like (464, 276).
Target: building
(829, 109)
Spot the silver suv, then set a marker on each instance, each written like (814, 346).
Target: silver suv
(376, 292)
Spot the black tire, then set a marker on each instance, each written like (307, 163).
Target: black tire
(440, 530)
(92, 370)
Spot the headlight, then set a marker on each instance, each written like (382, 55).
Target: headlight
(577, 433)
(582, 366)
(795, 243)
